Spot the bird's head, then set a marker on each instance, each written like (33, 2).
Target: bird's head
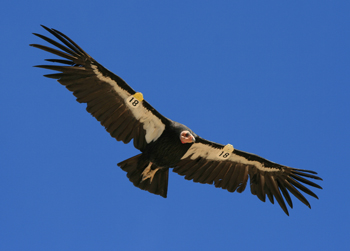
(187, 137)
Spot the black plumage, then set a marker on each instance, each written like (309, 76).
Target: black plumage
(164, 143)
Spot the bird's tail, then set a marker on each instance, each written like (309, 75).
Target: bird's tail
(146, 175)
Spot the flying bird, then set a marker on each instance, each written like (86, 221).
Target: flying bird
(164, 143)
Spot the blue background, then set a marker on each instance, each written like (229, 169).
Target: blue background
(269, 77)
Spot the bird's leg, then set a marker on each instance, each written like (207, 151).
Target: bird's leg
(148, 173)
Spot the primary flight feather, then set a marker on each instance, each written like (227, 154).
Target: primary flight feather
(165, 143)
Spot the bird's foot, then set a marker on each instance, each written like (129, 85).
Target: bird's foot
(148, 173)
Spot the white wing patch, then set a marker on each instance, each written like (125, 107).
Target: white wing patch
(216, 154)
(152, 124)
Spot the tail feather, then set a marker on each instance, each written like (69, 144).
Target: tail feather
(135, 167)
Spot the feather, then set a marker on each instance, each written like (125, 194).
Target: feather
(56, 52)
(272, 184)
(221, 175)
(194, 168)
(244, 180)
(209, 167)
(216, 171)
(306, 175)
(61, 61)
(58, 45)
(185, 166)
(296, 193)
(301, 187)
(284, 192)
(201, 170)
(227, 176)
(301, 179)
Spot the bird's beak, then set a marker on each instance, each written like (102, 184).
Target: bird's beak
(193, 139)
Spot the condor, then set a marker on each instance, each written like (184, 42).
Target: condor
(164, 143)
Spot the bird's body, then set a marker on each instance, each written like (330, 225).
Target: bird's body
(164, 143)
(168, 150)
(156, 159)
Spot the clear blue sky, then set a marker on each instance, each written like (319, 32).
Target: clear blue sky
(269, 77)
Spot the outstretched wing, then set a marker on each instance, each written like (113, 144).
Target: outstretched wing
(121, 110)
(207, 162)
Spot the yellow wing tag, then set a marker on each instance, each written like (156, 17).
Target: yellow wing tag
(225, 152)
(134, 100)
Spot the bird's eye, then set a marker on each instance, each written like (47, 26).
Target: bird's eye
(187, 134)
